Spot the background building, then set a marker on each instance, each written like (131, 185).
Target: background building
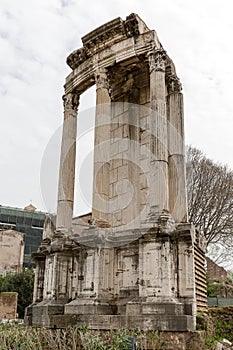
(27, 221)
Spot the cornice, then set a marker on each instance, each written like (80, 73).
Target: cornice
(106, 36)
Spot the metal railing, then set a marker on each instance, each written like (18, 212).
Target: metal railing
(215, 301)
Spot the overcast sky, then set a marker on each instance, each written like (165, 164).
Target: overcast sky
(36, 36)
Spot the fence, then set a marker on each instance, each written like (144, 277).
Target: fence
(214, 301)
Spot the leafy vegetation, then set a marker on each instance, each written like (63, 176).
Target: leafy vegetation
(215, 325)
(73, 338)
(223, 287)
(213, 287)
(22, 283)
(31, 338)
(210, 343)
(223, 321)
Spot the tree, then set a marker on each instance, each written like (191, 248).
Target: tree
(210, 196)
(221, 252)
(22, 283)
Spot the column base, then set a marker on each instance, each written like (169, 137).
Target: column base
(43, 313)
(88, 307)
(161, 315)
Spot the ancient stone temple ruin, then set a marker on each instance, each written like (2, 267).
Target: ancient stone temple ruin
(136, 262)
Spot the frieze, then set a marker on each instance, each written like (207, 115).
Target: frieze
(103, 37)
(103, 32)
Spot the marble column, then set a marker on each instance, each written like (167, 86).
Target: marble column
(102, 147)
(158, 130)
(176, 160)
(67, 164)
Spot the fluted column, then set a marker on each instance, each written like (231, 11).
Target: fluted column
(176, 160)
(67, 164)
(158, 130)
(102, 147)
(39, 279)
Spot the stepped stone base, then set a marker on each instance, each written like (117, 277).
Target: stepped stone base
(148, 284)
(145, 315)
(158, 322)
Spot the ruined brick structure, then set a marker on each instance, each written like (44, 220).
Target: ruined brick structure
(133, 263)
(8, 306)
(215, 272)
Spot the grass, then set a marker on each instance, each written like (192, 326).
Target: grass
(214, 326)
(19, 337)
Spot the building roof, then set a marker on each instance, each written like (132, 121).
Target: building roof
(30, 207)
(8, 209)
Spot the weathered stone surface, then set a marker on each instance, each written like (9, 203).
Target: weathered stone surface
(11, 251)
(67, 163)
(134, 262)
(8, 306)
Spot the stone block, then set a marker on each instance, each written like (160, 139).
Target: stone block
(122, 172)
(126, 131)
(124, 118)
(117, 162)
(113, 176)
(144, 125)
(117, 133)
(117, 218)
(144, 194)
(114, 148)
(143, 181)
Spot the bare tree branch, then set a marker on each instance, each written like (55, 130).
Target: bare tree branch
(210, 196)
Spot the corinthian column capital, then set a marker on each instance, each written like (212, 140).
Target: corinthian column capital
(101, 78)
(71, 101)
(173, 84)
(157, 60)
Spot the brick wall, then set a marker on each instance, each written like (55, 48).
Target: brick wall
(215, 272)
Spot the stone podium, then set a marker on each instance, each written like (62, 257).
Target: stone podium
(137, 262)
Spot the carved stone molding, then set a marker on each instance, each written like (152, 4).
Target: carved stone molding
(101, 79)
(105, 36)
(71, 101)
(173, 84)
(131, 26)
(157, 61)
(77, 57)
(166, 224)
(103, 33)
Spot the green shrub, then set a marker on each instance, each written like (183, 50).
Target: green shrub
(22, 283)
